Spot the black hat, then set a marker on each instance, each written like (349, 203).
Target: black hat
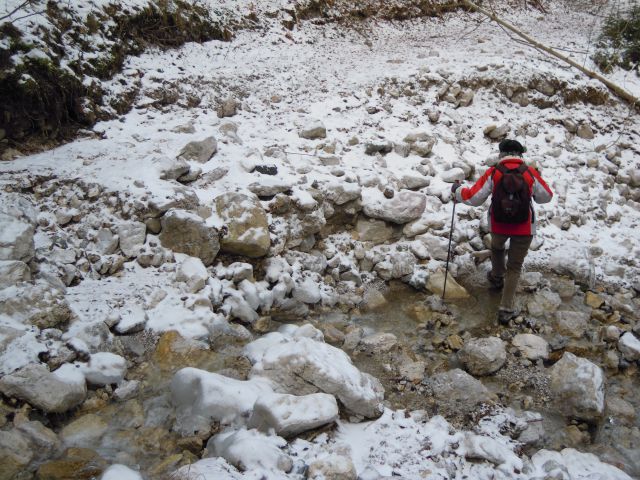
(511, 146)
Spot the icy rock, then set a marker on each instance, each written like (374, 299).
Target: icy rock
(307, 291)
(341, 192)
(192, 271)
(396, 265)
(120, 472)
(404, 207)
(199, 151)
(85, 430)
(16, 239)
(15, 454)
(578, 387)
(13, 272)
(458, 390)
(187, 233)
(571, 324)
(531, 346)
(375, 231)
(104, 368)
(455, 291)
(301, 365)
(246, 222)
(453, 175)
(202, 397)
(132, 236)
(378, 343)
(55, 392)
(312, 129)
(483, 356)
(37, 304)
(251, 449)
(290, 415)
(629, 346)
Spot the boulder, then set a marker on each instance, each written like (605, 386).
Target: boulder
(438, 247)
(247, 227)
(249, 450)
(455, 291)
(396, 265)
(453, 175)
(404, 207)
(185, 232)
(341, 192)
(571, 324)
(378, 343)
(16, 239)
(532, 347)
(36, 304)
(299, 364)
(375, 231)
(104, 368)
(629, 346)
(483, 356)
(13, 272)
(290, 415)
(578, 387)
(456, 390)
(312, 129)
(192, 271)
(132, 236)
(199, 151)
(55, 392)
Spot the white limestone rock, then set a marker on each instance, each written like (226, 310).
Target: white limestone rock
(532, 347)
(483, 356)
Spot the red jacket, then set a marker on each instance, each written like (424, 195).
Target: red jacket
(480, 191)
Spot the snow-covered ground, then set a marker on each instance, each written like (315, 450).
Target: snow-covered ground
(454, 80)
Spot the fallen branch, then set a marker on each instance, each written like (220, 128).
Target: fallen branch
(616, 89)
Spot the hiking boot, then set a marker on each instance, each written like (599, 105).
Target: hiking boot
(495, 283)
(505, 316)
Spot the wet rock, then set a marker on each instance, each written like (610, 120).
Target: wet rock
(404, 207)
(86, 430)
(301, 365)
(199, 151)
(483, 356)
(532, 347)
(312, 129)
(459, 391)
(187, 233)
(13, 272)
(378, 343)
(455, 291)
(373, 299)
(543, 302)
(375, 231)
(75, 464)
(578, 387)
(44, 440)
(132, 236)
(247, 227)
(629, 346)
(290, 415)
(15, 454)
(55, 392)
(571, 324)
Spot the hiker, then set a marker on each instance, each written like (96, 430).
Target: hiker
(512, 185)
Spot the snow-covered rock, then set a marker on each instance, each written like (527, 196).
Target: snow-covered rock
(453, 175)
(578, 387)
(483, 356)
(404, 207)
(629, 346)
(247, 227)
(16, 239)
(36, 304)
(341, 192)
(396, 265)
(312, 129)
(186, 232)
(52, 392)
(104, 368)
(132, 319)
(192, 271)
(199, 151)
(132, 236)
(12, 272)
(532, 347)
(290, 415)
(307, 291)
(300, 365)
(120, 472)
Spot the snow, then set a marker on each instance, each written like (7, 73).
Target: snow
(120, 472)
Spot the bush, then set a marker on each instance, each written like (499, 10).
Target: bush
(619, 41)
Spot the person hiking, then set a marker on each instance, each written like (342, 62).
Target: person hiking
(512, 185)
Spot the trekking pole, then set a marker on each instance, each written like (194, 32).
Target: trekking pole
(446, 270)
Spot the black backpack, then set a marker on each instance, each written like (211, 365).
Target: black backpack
(511, 199)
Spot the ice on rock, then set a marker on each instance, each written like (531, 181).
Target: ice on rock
(201, 397)
(290, 415)
(301, 365)
(104, 368)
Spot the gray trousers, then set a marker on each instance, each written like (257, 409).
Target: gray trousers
(518, 248)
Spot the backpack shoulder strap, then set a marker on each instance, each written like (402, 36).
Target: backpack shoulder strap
(523, 168)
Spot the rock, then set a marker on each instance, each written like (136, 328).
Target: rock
(13, 272)
(465, 98)
(200, 151)
(378, 343)
(132, 319)
(132, 237)
(266, 169)
(373, 299)
(571, 324)
(227, 108)
(312, 129)
(404, 207)
(483, 356)
(453, 175)
(629, 346)
(578, 387)
(332, 467)
(457, 390)
(193, 272)
(593, 299)
(55, 392)
(290, 415)
(482, 447)
(44, 440)
(584, 131)
(495, 132)
(301, 365)
(75, 464)
(251, 449)
(104, 368)
(247, 227)
(172, 169)
(437, 247)
(543, 302)
(455, 291)
(532, 347)
(16, 239)
(413, 182)
(306, 291)
(191, 176)
(396, 265)
(375, 231)
(314, 261)
(341, 192)
(412, 371)
(15, 454)
(36, 304)
(185, 232)
(120, 472)
(382, 148)
(86, 430)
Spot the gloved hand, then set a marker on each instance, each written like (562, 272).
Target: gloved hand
(455, 186)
